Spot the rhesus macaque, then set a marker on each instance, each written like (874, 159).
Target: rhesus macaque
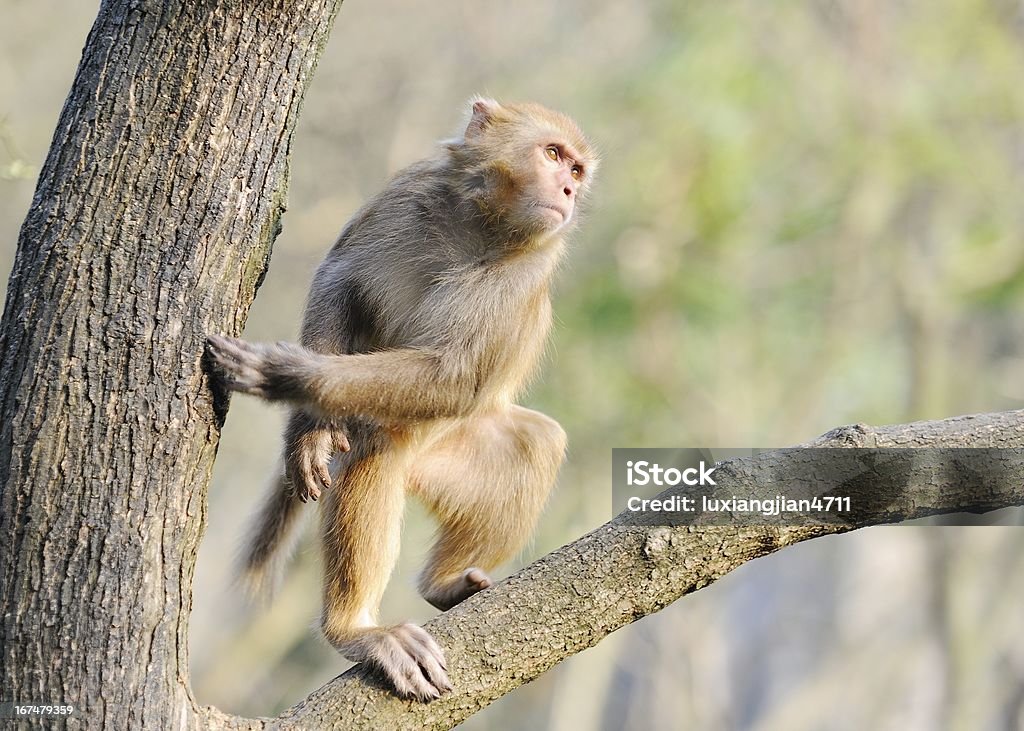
(423, 324)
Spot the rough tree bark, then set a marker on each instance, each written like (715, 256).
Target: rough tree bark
(151, 226)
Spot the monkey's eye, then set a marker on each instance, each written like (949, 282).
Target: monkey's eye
(552, 152)
(576, 172)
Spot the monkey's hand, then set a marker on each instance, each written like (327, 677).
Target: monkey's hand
(407, 656)
(274, 372)
(310, 447)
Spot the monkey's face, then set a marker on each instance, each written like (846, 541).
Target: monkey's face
(536, 163)
(558, 173)
(539, 182)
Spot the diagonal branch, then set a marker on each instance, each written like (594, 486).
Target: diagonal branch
(572, 598)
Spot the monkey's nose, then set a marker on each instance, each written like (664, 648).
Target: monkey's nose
(569, 192)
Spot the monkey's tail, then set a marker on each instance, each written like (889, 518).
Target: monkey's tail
(269, 541)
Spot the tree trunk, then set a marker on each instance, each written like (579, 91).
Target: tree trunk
(151, 226)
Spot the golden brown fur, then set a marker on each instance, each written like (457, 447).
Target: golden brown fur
(423, 324)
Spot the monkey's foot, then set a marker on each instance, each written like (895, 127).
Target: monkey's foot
(471, 581)
(268, 371)
(408, 657)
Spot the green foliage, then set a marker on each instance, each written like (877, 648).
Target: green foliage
(800, 193)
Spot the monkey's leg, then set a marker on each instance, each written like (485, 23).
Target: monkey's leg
(487, 481)
(360, 525)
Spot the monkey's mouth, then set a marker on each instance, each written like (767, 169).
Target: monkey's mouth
(563, 214)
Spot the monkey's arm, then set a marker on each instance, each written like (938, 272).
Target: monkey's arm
(400, 384)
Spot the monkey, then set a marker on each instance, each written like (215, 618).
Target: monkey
(424, 322)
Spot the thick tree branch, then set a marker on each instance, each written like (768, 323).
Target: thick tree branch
(572, 598)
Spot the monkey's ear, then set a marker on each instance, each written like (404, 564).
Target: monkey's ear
(484, 111)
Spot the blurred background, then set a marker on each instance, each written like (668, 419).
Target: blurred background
(808, 214)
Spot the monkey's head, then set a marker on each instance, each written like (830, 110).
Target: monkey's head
(525, 166)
